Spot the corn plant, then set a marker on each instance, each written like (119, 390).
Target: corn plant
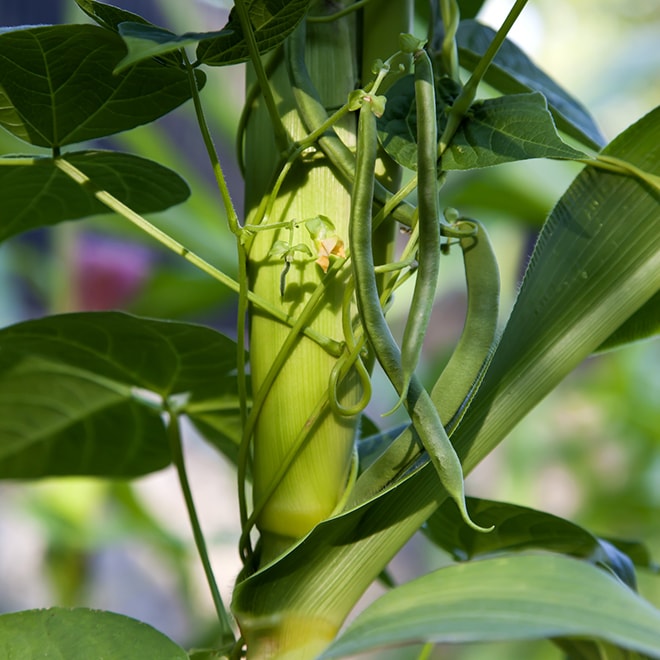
(351, 130)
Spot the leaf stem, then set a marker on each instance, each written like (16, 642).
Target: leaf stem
(174, 436)
(232, 217)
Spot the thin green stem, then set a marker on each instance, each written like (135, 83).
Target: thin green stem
(465, 99)
(174, 436)
(450, 19)
(232, 217)
(330, 345)
(281, 137)
(250, 99)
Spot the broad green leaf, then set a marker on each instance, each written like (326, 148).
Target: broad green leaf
(84, 393)
(599, 216)
(644, 323)
(272, 22)
(109, 16)
(38, 194)
(520, 528)
(512, 72)
(500, 130)
(505, 129)
(57, 85)
(145, 41)
(82, 634)
(510, 598)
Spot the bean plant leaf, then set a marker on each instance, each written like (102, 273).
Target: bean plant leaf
(509, 598)
(109, 16)
(512, 72)
(84, 393)
(500, 130)
(57, 85)
(272, 21)
(81, 634)
(145, 41)
(505, 129)
(604, 218)
(518, 528)
(37, 194)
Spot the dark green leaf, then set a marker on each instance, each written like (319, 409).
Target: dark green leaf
(397, 127)
(84, 393)
(38, 194)
(516, 528)
(519, 528)
(58, 87)
(512, 72)
(496, 131)
(109, 16)
(644, 323)
(509, 598)
(145, 41)
(82, 634)
(272, 22)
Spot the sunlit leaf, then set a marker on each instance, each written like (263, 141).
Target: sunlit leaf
(596, 262)
(81, 634)
(512, 72)
(272, 22)
(501, 130)
(509, 598)
(35, 193)
(84, 393)
(505, 129)
(57, 85)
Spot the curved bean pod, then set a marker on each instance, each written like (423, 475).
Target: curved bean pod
(460, 379)
(418, 403)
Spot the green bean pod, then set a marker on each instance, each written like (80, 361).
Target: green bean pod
(418, 403)
(428, 252)
(460, 379)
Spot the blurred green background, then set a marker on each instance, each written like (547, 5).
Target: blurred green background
(590, 452)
